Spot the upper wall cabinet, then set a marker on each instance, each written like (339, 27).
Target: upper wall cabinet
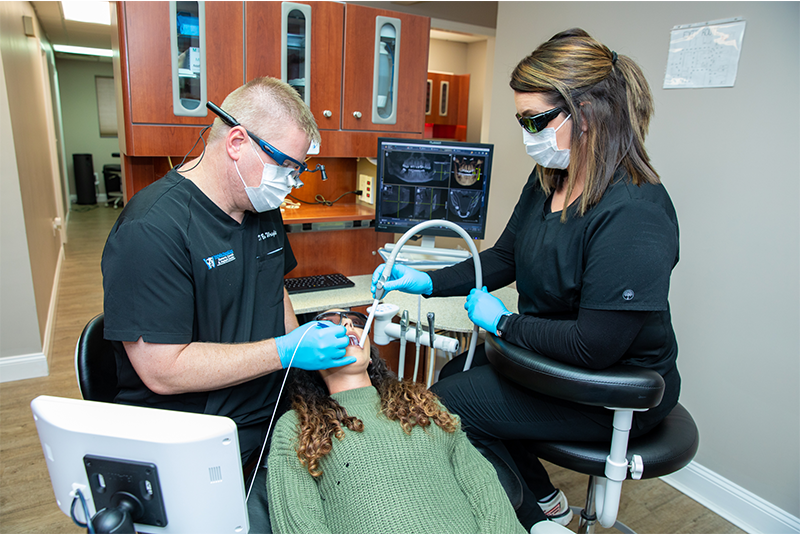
(302, 44)
(361, 70)
(385, 67)
(173, 57)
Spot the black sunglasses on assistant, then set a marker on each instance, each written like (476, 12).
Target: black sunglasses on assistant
(356, 318)
(280, 158)
(538, 122)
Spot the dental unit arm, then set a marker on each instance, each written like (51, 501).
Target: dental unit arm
(379, 286)
(384, 331)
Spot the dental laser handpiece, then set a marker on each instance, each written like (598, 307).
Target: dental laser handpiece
(401, 365)
(369, 322)
(416, 360)
(378, 296)
(432, 352)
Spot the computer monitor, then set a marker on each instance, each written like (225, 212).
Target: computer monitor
(422, 179)
(183, 468)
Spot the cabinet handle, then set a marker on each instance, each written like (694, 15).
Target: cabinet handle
(327, 113)
(357, 114)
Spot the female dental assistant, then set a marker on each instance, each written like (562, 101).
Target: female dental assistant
(591, 245)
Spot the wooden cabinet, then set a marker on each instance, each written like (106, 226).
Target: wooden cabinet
(243, 41)
(448, 107)
(263, 45)
(359, 50)
(342, 71)
(146, 67)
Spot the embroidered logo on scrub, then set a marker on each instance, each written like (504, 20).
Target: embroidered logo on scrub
(220, 259)
(627, 295)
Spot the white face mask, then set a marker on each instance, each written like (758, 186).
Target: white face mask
(276, 183)
(543, 148)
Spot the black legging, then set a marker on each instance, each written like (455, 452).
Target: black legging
(501, 416)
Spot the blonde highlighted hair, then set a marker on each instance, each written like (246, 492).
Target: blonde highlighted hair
(605, 90)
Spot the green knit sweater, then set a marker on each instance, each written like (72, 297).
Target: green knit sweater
(384, 481)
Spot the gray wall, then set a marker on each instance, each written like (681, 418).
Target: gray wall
(729, 158)
(79, 114)
(28, 197)
(19, 326)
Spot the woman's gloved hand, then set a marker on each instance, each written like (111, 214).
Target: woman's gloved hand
(484, 309)
(320, 345)
(403, 278)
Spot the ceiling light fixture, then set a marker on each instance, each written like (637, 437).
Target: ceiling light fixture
(67, 49)
(93, 12)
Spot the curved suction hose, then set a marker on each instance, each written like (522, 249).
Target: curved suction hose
(472, 249)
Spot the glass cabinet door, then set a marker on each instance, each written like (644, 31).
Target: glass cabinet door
(386, 61)
(188, 52)
(296, 48)
(444, 98)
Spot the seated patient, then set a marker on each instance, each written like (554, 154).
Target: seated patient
(358, 454)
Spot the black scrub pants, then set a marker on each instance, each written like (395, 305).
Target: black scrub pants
(501, 416)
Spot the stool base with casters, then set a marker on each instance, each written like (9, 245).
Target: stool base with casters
(668, 447)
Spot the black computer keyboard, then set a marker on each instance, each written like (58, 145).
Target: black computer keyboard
(313, 283)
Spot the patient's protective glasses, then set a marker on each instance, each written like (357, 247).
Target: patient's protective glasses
(536, 123)
(280, 158)
(336, 316)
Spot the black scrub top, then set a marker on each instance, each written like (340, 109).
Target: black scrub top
(618, 256)
(176, 270)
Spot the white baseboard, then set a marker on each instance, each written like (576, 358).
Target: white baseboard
(33, 365)
(50, 327)
(23, 367)
(732, 502)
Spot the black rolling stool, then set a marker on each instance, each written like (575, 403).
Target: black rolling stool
(624, 389)
(95, 363)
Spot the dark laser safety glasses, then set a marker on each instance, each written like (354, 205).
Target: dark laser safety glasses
(356, 318)
(536, 123)
(280, 158)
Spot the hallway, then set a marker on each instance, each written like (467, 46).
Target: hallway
(27, 504)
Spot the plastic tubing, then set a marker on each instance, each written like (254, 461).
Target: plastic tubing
(472, 249)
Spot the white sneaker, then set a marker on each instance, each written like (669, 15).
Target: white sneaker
(548, 526)
(557, 509)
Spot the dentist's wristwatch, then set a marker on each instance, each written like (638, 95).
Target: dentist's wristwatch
(501, 324)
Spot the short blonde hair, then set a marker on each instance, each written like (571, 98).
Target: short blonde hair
(267, 107)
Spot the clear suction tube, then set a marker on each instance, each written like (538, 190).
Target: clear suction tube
(473, 250)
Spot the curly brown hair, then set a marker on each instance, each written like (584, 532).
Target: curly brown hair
(321, 417)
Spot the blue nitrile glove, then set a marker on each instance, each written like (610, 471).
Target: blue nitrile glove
(484, 309)
(404, 278)
(322, 346)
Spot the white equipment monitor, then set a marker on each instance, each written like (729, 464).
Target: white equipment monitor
(184, 467)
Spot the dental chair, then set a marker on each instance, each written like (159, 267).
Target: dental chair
(95, 364)
(622, 389)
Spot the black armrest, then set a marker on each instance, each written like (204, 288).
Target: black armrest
(620, 386)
